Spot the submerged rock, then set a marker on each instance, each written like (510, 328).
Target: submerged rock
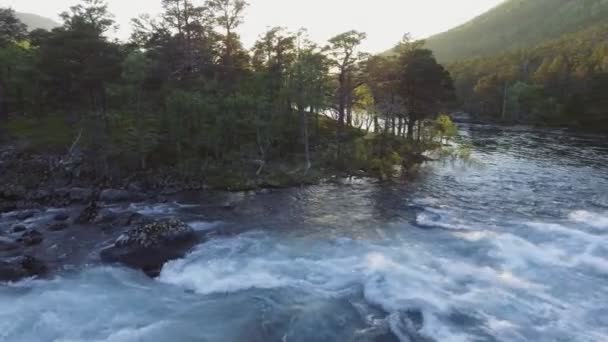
(18, 228)
(148, 247)
(21, 267)
(58, 226)
(31, 238)
(61, 216)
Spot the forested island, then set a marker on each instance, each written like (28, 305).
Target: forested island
(184, 102)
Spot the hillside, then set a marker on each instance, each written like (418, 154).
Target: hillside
(560, 82)
(34, 21)
(517, 24)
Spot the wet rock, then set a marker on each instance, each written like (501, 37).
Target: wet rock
(115, 195)
(59, 226)
(62, 216)
(31, 238)
(18, 228)
(148, 247)
(88, 214)
(21, 267)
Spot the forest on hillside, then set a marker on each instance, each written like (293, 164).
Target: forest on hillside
(517, 24)
(562, 82)
(184, 95)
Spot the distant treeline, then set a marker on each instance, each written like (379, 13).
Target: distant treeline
(562, 82)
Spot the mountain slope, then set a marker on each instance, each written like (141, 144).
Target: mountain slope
(34, 21)
(517, 24)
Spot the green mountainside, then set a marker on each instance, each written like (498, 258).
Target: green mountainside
(517, 24)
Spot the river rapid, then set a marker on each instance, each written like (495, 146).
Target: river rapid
(512, 246)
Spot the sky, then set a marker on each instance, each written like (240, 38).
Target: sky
(384, 21)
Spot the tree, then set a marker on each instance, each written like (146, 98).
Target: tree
(342, 50)
(425, 86)
(228, 16)
(11, 28)
(307, 75)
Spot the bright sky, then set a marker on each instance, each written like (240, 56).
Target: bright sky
(385, 21)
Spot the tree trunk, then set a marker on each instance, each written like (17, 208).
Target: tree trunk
(411, 123)
(304, 123)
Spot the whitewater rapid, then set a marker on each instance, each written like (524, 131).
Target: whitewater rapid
(513, 248)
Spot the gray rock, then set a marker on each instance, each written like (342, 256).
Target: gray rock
(21, 267)
(149, 246)
(115, 195)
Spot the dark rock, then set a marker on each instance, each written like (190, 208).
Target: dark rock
(114, 195)
(7, 244)
(21, 267)
(149, 246)
(18, 228)
(24, 215)
(55, 227)
(88, 214)
(62, 216)
(30, 238)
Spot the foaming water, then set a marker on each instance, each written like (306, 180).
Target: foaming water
(513, 250)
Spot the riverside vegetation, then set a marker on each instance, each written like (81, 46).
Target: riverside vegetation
(184, 102)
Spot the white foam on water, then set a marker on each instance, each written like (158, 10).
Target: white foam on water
(202, 226)
(441, 218)
(595, 220)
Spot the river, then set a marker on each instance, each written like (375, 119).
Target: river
(512, 246)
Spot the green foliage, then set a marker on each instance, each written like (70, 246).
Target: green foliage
(446, 129)
(47, 133)
(517, 24)
(551, 84)
(184, 97)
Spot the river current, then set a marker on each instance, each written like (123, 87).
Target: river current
(511, 246)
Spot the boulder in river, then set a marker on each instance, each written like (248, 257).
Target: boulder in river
(115, 195)
(88, 214)
(149, 246)
(21, 267)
